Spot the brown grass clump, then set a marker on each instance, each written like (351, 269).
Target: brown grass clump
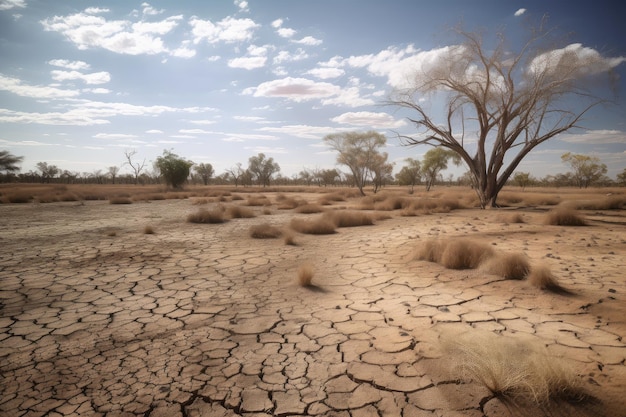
(120, 200)
(305, 274)
(265, 231)
(258, 200)
(391, 203)
(203, 215)
(320, 226)
(239, 212)
(507, 265)
(17, 197)
(289, 237)
(349, 218)
(516, 367)
(464, 254)
(309, 209)
(541, 277)
(148, 230)
(564, 216)
(511, 218)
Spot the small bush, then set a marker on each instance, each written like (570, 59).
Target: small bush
(120, 200)
(254, 200)
(200, 201)
(148, 230)
(305, 274)
(203, 215)
(239, 212)
(289, 237)
(18, 198)
(564, 216)
(464, 254)
(265, 231)
(508, 265)
(309, 209)
(541, 277)
(511, 218)
(391, 203)
(350, 218)
(430, 251)
(320, 226)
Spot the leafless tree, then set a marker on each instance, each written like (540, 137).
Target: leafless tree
(136, 166)
(512, 101)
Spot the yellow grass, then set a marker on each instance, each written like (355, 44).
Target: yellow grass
(541, 277)
(507, 265)
(319, 226)
(349, 218)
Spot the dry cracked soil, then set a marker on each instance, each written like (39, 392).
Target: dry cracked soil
(100, 319)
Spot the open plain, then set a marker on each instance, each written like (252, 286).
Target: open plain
(131, 310)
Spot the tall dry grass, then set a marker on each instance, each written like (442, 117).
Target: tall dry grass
(212, 216)
(265, 231)
(564, 216)
(239, 212)
(305, 274)
(458, 253)
(519, 367)
(541, 277)
(348, 218)
(319, 226)
(507, 265)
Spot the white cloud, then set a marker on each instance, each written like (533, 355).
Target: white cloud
(348, 97)
(120, 36)
(371, 119)
(266, 150)
(96, 90)
(595, 137)
(71, 65)
(243, 5)
(96, 10)
(308, 40)
(102, 77)
(249, 118)
(574, 60)
(249, 63)
(296, 89)
(520, 12)
(154, 131)
(227, 30)
(301, 131)
(10, 4)
(326, 73)
(149, 10)
(202, 122)
(15, 86)
(114, 136)
(285, 56)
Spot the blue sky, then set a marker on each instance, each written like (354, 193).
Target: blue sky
(219, 81)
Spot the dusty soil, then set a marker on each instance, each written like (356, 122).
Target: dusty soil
(100, 319)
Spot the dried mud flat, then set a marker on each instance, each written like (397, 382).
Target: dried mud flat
(100, 319)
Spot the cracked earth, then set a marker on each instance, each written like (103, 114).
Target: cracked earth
(100, 319)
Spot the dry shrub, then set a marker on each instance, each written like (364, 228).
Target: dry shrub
(350, 218)
(328, 199)
(464, 254)
(507, 265)
(203, 215)
(430, 250)
(265, 231)
(267, 211)
(305, 274)
(320, 226)
(200, 201)
(511, 218)
(564, 216)
(516, 367)
(309, 209)
(120, 200)
(289, 237)
(148, 230)
(258, 200)
(18, 197)
(541, 277)
(615, 202)
(391, 203)
(288, 203)
(236, 197)
(239, 212)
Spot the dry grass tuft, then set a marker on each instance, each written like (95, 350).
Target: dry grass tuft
(305, 274)
(265, 231)
(320, 226)
(120, 200)
(507, 265)
(564, 216)
(203, 215)
(541, 277)
(258, 200)
(239, 212)
(458, 253)
(148, 230)
(309, 209)
(289, 237)
(349, 218)
(511, 218)
(515, 367)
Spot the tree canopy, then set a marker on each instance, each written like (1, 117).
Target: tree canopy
(586, 169)
(173, 168)
(499, 104)
(8, 162)
(262, 168)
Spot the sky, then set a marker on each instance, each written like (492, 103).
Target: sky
(83, 82)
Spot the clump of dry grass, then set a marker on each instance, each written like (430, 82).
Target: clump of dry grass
(120, 200)
(258, 200)
(305, 274)
(265, 231)
(460, 253)
(148, 230)
(17, 197)
(391, 202)
(507, 265)
(309, 209)
(511, 218)
(564, 216)
(349, 218)
(516, 367)
(239, 212)
(200, 201)
(289, 237)
(204, 215)
(320, 226)
(541, 277)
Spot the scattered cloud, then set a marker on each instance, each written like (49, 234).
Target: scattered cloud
(256, 57)
(578, 59)
(249, 118)
(15, 86)
(11, 4)
(283, 32)
(301, 131)
(227, 30)
(595, 137)
(286, 56)
(71, 65)
(309, 40)
(367, 118)
(149, 10)
(266, 150)
(520, 12)
(114, 136)
(350, 97)
(96, 10)
(326, 73)
(154, 131)
(243, 5)
(102, 77)
(295, 89)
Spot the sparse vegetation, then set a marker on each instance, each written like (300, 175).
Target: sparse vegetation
(516, 367)
(213, 216)
(348, 218)
(148, 230)
(309, 209)
(507, 265)
(265, 231)
(564, 216)
(319, 226)
(459, 253)
(541, 277)
(239, 212)
(305, 274)
(120, 200)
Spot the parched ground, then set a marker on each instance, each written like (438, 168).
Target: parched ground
(99, 319)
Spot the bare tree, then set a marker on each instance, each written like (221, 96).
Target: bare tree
(236, 172)
(136, 166)
(358, 151)
(513, 101)
(112, 172)
(206, 171)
